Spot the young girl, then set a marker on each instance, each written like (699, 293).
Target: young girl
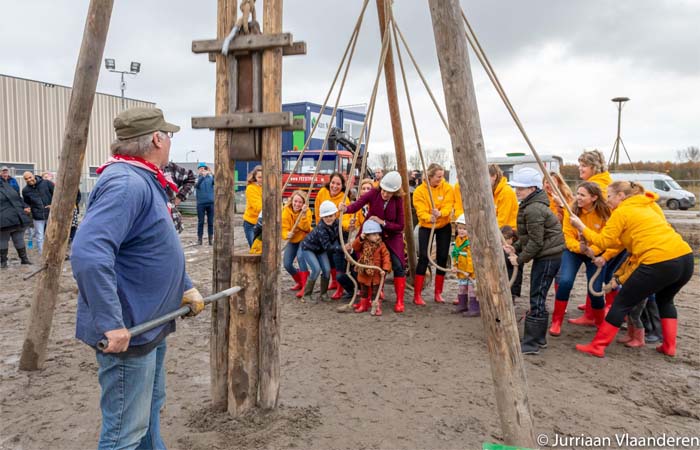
(296, 205)
(256, 246)
(372, 252)
(467, 302)
(315, 248)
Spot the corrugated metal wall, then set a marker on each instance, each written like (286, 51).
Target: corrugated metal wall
(33, 117)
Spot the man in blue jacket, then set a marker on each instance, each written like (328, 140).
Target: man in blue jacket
(130, 268)
(5, 175)
(205, 202)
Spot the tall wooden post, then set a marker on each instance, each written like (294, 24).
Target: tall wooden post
(272, 214)
(223, 218)
(397, 131)
(244, 343)
(75, 136)
(497, 312)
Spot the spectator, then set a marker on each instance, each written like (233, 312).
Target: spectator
(38, 194)
(253, 203)
(5, 175)
(378, 175)
(184, 179)
(205, 202)
(13, 221)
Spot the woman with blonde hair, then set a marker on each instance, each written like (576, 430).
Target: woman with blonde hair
(665, 263)
(295, 206)
(253, 203)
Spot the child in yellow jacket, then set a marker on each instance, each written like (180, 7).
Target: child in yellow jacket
(467, 303)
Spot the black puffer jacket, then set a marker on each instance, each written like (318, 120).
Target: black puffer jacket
(322, 238)
(38, 197)
(539, 230)
(12, 213)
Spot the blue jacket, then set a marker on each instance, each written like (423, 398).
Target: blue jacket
(13, 183)
(322, 238)
(127, 257)
(205, 189)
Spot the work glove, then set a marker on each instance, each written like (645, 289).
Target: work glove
(194, 300)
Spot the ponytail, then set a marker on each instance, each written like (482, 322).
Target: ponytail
(629, 188)
(636, 188)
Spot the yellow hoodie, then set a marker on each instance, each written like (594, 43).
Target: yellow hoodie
(463, 261)
(289, 217)
(603, 180)
(646, 235)
(323, 195)
(253, 203)
(593, 222)
(443, 196)
(459, 209)
(506, 204)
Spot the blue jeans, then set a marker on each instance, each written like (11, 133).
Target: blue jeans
(133, 393)
(570, 263)
(541, 277)
(39, 229)
(317, 263)
(249, 231)
(208, 209)
(290, 252)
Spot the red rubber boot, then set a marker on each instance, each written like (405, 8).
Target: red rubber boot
(297, 278)
(587, 319)
(606, 333)
(334, 283)
(439, 283)
(365, 304)
(417, 287)
(558, 317)
(669, 329)
(609, 299)
(304, 276)
(400, 288)
(599, 316)
(338, 293)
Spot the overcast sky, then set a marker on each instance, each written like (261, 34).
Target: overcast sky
(560, 62)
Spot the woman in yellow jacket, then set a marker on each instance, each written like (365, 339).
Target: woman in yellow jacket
(506, 203)
(253, 203)
(296, 206)
(334, 191)
(665, 263)
(440, 214)
(593, 212)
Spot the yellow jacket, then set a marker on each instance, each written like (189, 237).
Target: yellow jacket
(459, 209)
(506, 204)
(443, 196)
(643, 232)
(603, 180)
(323, 195)
(593, 222)
(253, 203)
(463, 261)
(289, 217)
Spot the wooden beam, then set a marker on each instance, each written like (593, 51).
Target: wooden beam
(297, 48)
(244, 43)
(469, 152)
(397, 132)
(272, 215)
(223, 219)
(298, 124)
(73, 147)
(243, 347)
(244, 120)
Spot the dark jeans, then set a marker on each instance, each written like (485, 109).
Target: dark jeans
(611, 266)
(208, 209)
(17, 237)
(664, 279)
(443, 236)
(396, 264)
(338, 262)
(517, 287)
(570, 264)
(249, 231)
(541, 277)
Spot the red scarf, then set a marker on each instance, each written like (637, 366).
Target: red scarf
(143, 164)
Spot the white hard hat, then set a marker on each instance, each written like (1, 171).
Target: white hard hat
(371, 226)
(527, 177)
(328, 208)
(391, 182)
(461, 220)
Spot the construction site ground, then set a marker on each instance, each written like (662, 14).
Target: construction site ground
(418, 380)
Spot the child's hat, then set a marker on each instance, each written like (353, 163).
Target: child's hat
(370, 227)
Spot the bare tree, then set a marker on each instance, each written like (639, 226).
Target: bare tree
(690, 154)
(387, 161)
(436, 155)
(414, 162)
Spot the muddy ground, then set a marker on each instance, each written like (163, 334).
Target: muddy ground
(420, 380)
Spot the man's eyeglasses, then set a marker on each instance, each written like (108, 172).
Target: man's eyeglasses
(168, 133)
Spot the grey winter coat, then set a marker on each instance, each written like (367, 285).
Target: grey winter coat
(539, 230)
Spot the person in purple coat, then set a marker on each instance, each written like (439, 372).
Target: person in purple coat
(386, 208)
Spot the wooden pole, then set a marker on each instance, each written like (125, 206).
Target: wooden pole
(272, 215)
(75, 136)
(243, 332)
(497, 312)
(397, 131)
(223, 219)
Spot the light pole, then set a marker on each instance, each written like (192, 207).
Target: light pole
(614, 160)
(188, 154)
(135, 68)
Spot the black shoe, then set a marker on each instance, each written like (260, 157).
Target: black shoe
(3, 258)
(534, 335)
(199, 241)
(22, 252)
(210, 240)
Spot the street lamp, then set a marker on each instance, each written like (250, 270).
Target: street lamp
(135, 68)
(614, 160)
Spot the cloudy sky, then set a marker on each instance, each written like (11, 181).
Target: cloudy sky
(560, 62)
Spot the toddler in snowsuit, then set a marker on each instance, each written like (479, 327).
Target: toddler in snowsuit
(372, 252)
(467, 303)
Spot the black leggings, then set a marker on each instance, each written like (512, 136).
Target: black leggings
(443, 236)
(17, 237)
(664, 279)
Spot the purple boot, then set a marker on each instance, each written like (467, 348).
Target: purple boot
(474, 310)
(462, 305)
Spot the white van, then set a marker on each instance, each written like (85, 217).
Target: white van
(670, 193)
